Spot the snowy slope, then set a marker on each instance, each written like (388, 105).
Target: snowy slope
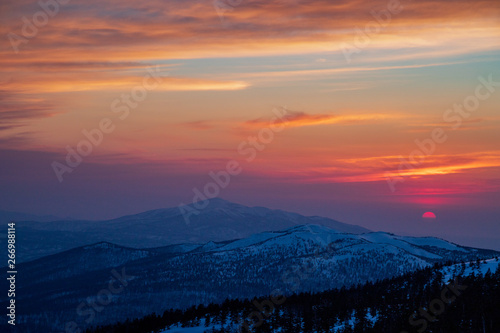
(302, 258)
(220, 220)
(313, 236)
(471, 267)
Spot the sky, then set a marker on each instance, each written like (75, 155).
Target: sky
(368, 112)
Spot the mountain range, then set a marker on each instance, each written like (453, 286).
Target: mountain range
(64, 287)
(90, 273)
(8, 216)
(220, 220)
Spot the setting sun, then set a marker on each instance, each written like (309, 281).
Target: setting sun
(429, 215)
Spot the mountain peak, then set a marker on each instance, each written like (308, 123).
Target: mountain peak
(216, 220)
(217, 203)
(312, 229)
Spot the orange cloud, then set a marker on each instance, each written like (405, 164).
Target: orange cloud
(121, 31)
(16, 108)
(374, 169)
(107, 82)
(99, 45)
(474, 124)
(299, 119)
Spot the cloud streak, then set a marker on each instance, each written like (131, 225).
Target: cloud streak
(104, 82)
(16, 108)
(301, 119)
(128, 31)
(373, 169)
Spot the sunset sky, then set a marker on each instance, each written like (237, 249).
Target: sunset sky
(358, 82)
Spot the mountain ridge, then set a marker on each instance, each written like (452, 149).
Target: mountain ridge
(307, 258)
(7, 216)
(220, 220)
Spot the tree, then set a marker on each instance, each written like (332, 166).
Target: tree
(207, 320)
(361, 323)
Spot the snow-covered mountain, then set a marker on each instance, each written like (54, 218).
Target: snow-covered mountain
(220, 220)
(381, 307)
(318, 236)
(478, 268)
(301, 258)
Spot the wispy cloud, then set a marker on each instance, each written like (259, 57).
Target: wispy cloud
(374, 169)
(475, 124)
(120, 31)
(300, 119)
(17, 107)
(106, 82)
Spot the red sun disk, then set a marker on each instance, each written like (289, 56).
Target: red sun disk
(429, 215)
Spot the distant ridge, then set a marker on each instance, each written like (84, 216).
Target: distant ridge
(8, 216)
(220, 220)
